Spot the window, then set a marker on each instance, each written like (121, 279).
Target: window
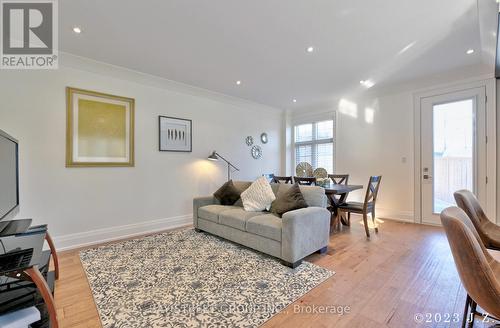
(314, 144)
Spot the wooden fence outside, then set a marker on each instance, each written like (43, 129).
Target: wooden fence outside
(452, 174)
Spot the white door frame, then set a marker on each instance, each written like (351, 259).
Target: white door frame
(490, 88)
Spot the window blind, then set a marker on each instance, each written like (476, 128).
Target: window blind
(314, 144)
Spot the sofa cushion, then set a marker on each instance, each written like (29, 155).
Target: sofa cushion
(275, 187)
(258, 196)
(211, 212)
(227, 194)
(288, 200)
(314, 195)
(236, 218)
(265, 225)
(242, 185)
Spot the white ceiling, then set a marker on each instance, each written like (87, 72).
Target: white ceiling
(212, 44)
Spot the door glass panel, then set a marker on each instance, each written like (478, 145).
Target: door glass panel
(453, 132)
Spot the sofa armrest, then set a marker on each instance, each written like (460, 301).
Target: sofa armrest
(200, 202)
(304, 231)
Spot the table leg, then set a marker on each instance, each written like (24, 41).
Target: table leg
(42, 286)
(337, 216)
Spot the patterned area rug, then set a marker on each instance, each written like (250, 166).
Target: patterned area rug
(189, 279)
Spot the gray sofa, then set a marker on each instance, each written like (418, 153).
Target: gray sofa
(296, 235)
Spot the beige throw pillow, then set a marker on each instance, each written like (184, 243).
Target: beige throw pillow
(258, 197)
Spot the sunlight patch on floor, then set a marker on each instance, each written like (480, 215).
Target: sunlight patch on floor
(377, 224)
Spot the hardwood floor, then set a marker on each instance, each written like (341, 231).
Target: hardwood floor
(403, 271)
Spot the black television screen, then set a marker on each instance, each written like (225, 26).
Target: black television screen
(9, 177)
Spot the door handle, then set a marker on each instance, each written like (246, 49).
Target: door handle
(426, 175)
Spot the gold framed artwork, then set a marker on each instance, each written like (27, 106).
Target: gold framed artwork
(100, 129)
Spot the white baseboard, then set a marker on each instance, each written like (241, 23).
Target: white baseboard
(98, 236)
(405, 216)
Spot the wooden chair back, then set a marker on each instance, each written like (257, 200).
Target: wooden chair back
(277, 179)
(309, 181)
(372, 189)
(339, 178)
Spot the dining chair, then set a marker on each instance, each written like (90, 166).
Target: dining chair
(478, 270)
(309, 181)
(487, 230)
(277, 179)
(339, 178)
(368, 206)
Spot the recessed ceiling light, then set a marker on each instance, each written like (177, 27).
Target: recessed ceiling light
(310, 49)
(77, 29)
(470, 51)
(367, 83)
(294, 100)
(238, 82)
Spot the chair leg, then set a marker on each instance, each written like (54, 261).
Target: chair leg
(339, 216)
(373, 220)
(365, 220)
(348, 219)
(473, 308)
(466, 311)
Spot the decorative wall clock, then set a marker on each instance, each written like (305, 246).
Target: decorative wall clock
(256, 152)
(263, 138)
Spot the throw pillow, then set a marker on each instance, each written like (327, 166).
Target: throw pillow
(259, 196)
(227, 194)
(290, 200)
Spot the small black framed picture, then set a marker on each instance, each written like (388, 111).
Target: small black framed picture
(175, 134)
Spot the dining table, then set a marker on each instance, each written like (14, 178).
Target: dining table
(337, 194)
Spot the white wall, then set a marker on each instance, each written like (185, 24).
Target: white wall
(498, 149)
(84, 205)
(374, 145)
(383, 146)
(384, 143)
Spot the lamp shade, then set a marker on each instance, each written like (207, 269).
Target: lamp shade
(213, 156)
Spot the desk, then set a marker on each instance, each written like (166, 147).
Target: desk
(31, 273)
(341, 190)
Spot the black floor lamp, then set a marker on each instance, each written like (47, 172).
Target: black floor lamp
(215, 156)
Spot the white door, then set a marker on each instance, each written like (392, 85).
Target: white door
(453, 154)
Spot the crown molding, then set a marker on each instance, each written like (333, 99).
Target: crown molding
(72, 61)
